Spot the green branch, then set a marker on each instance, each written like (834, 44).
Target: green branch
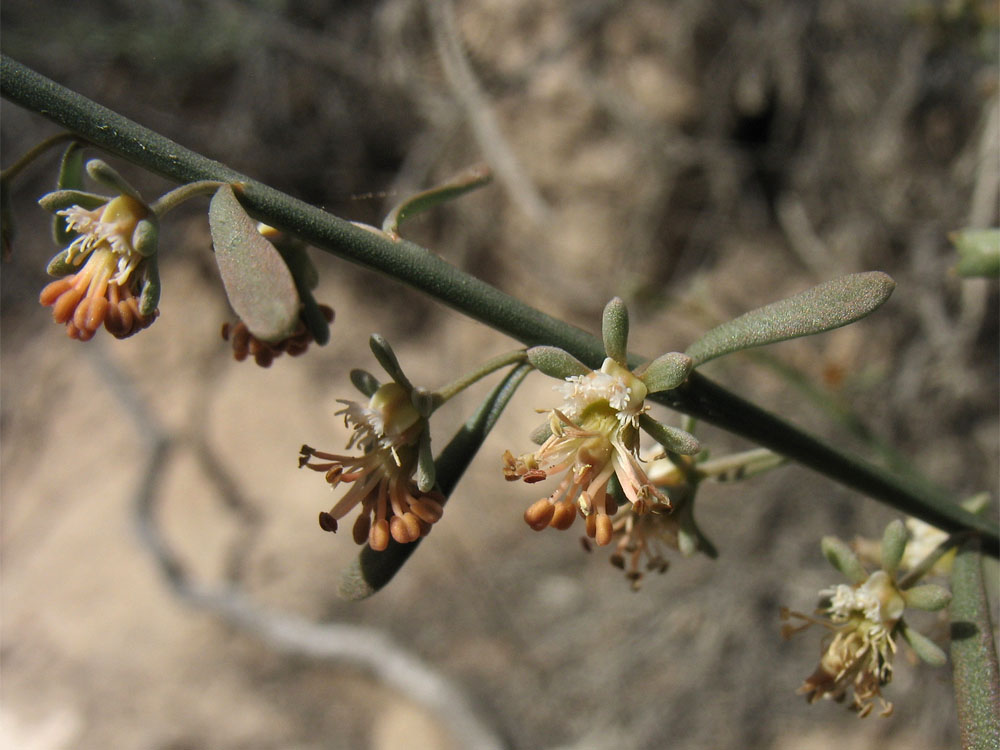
(422, 270)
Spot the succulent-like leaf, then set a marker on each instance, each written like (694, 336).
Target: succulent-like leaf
(149, 298)
(671, 438)
(70, 178)
(666, 372)
(556, 363)
(979, 252)
(894, 541)
(541, 433)
(387, 358)
(470, 179)
(259, 285)
(59, 266)
(102, 173)
(62, 199)
(822, 308)
(843, 559)
(924, 647)
(146, 236)
(365, 382)
(614, 330)
(71, 168)
(426, 475)
(929, 597)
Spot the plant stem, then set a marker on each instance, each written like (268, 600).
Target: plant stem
(421, 269)
(974, 653)
(34, 152)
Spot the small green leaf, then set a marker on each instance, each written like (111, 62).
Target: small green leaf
(923, 646)
(59, 200)
(387, 358)
(556, 363)
(843, 559)
(893, 545)
(929, 597)
(258, 283)
(101, 172)
(59, 266)
(666, 372)
(541, 433)
(71, 168)
(979, 252)
(425, 463)
(149, 298)
(671, 438)
(614, 330)
(470, 179)
(365, 382)
(70, 179)
(822, 308)
(146, 236)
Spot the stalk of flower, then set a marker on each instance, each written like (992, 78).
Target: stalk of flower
(108, 272)
(864, 620)
(393, 437)
(594, 434)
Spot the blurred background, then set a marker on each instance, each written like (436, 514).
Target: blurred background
(697, 159)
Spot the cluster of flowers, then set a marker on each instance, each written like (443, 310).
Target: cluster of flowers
(107, 276)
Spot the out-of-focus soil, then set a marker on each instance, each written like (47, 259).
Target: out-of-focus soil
(697, 159)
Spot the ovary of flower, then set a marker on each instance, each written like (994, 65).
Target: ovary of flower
(613, 384)
(111, 225)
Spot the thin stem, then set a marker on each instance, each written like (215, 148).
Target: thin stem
(34, 152)
(171, 200)
(442, 395)
(423, 270)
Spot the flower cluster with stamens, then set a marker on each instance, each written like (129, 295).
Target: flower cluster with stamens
(245, 344)
(388, 431)
(103, 271)
(594, 435)
(864, 620)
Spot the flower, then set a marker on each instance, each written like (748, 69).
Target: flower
(116, 286)
(862, 619)
(264, 352)
(388, 431)
(865, 618)
(594, 436)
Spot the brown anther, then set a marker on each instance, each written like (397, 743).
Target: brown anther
(603, 529)
(617, 560)
(564, 515)
(405, 528)
(538, 515)
(361, 528)
(327, 522)
(378, 537)
(426, 509)
(534, 475)
(591, 526)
